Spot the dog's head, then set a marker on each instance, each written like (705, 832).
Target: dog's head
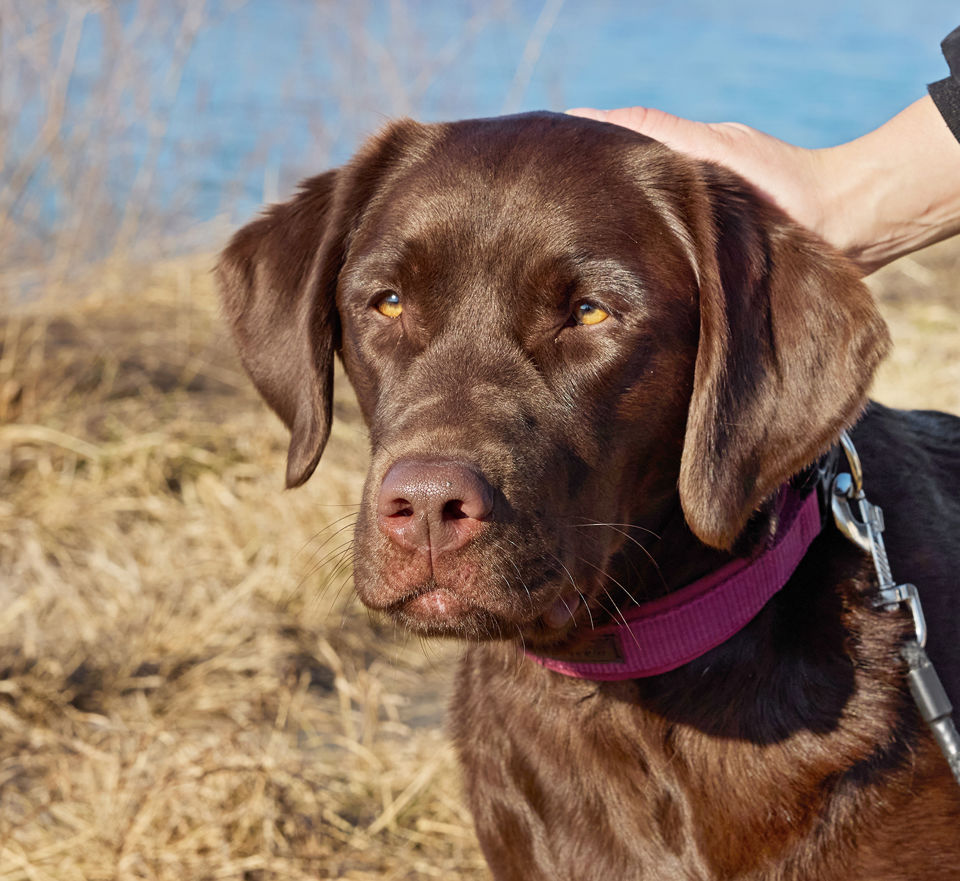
(550, 323)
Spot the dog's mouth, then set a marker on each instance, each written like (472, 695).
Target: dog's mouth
(433, 609)
(444, 611)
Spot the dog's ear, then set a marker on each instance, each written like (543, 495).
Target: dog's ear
(278, 280)
(789, 341)
(281, 311)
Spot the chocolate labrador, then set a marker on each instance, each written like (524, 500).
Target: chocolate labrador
(596, 374)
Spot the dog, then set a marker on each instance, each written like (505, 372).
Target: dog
(592, 370)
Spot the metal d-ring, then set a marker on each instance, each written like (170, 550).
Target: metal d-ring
(853, 460)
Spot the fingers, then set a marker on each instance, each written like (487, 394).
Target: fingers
(685, 135)
(588, 113)
(645, 120)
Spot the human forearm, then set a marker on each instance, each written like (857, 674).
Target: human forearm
(893, 190)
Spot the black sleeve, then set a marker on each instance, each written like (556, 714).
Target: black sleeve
(946, 92)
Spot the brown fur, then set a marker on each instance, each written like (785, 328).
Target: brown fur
(625, 459)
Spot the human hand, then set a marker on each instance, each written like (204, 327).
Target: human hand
(890, 192)
(787, 175)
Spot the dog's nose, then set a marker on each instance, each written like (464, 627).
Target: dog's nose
(433, 506)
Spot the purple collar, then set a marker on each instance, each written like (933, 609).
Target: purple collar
(671, 631)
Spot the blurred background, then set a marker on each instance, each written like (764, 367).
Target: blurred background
(153, 127)
(187, 689)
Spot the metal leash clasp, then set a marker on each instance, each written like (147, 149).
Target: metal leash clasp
(867, 533)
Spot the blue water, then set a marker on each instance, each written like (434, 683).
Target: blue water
(271, 91)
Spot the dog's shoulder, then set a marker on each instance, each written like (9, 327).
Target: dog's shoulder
(911, 461)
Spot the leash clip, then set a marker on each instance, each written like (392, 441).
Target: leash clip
(867, 533)
(888, 598)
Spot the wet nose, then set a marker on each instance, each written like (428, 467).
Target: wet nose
(433, 506)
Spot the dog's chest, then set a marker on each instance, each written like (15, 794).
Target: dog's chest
(577, 781)
(574, 780)
(565, 800)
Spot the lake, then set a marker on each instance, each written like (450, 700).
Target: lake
(228, 103)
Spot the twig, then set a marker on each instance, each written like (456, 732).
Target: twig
(531, 55)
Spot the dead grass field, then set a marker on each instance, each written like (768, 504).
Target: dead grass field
(187, 689)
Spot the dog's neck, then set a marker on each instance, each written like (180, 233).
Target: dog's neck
(659, 635)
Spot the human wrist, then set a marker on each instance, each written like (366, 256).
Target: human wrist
(892, 191)
(849, 180)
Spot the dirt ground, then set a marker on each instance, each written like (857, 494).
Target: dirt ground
(188, 689)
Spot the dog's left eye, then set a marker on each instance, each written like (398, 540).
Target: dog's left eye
(588, 313)
(389, 304)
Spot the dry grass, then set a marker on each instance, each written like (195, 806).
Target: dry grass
(187, 691)
(183, 695)
(920, 297)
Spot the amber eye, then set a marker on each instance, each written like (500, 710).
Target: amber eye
(587, 313)
(389, 305)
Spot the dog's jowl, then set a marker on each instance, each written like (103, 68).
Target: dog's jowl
(601, 381)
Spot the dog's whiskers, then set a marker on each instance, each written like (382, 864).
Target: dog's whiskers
(335, 557)
(497, 545)
(609, 577)
(344, 567)
(616, 528)
(332, 554)
(330, 525)
(618, 613)
(649, 532)
(344, 576)
(623, 620)
(573, 584)
(522, 653)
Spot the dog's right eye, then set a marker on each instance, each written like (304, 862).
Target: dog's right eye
(589, 313)
(389, 305)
